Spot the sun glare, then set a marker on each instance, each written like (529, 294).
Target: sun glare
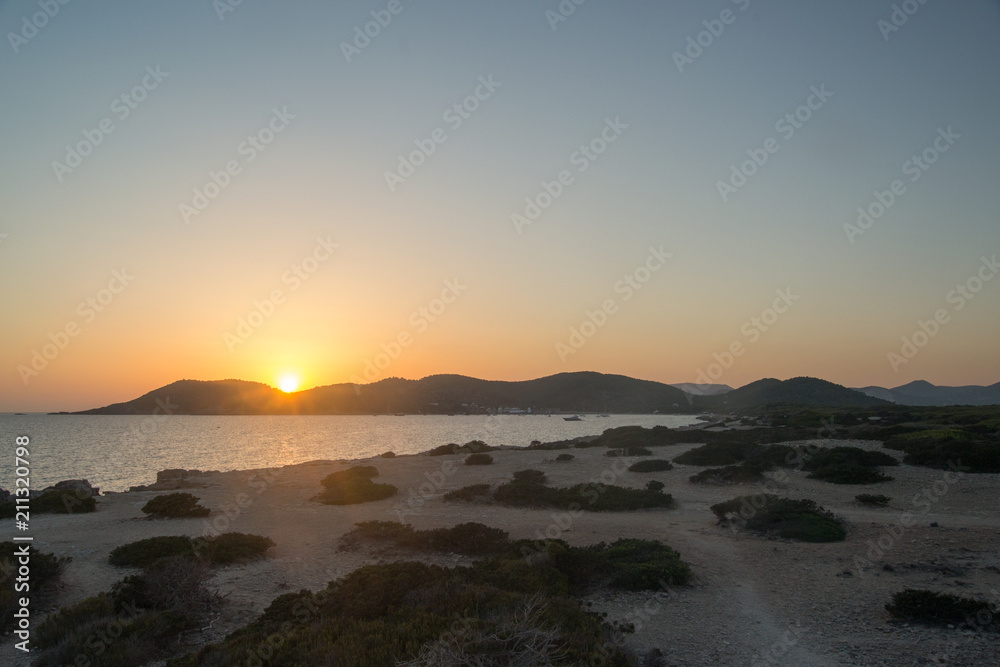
(288, 383)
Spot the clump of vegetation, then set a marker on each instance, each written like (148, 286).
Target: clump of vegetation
(562, 458)
(469, 539)
(175, 505)
(471, 447)
(629, 451)
(941, 448)
(932, 608)
(873, 500)
(53, 501)
(533, 476)
(388, 455)
(472, 493)
(499, 611)
(652, 465)
(139, 619)
(747, 472)
(45, 571)
(848, 465)
(478, 460)
(354, 486)
(590, 497)
(218, 550)
(734, 452)
(655, 485)
(791, 519)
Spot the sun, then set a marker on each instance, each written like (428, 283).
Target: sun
(288, 383)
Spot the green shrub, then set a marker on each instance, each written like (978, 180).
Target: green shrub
(800, 520)
(731, 453)
(870, 499)
(471, 447)
(943, 448)
(388, 455)
(741, 473)
(53, 501)
(562, 458)
(144, 552)
(849, 473)
(644, 565)
(175, 505)
(478, 460)
(46, 569)
(218, 550)
(354, 486)
(444, 450)
(848, 465)
(534, 476)
(232, 547)
(408, 613)
(470, 539)
(651, 465)
(472, 493)
(589, 497)
(655, 485)
(932, 608)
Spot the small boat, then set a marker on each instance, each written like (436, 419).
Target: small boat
(574, 418)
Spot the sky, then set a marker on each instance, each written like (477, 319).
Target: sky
(343, 192)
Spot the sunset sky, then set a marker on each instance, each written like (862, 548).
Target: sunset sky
(188, 166)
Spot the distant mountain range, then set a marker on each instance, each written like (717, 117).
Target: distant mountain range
(922, 392)
(565, 392)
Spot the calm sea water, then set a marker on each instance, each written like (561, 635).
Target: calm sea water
(115, 452)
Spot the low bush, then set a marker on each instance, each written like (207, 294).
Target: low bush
(870, 499)
(501, 611)
(218, 550)
(741, 473)
(589, 497)
(46, 569)
(849, 473)
(535, 476)
(922, 606)
(848, 465)
(478, 460)
(472, 493)
(144, 552)
(53, 501)
(354, 486)
(562, 458)
(175, 505)
(731, 453)
(140, 619)
(652, 465)
(654, 485)
(388, 455)
(945, 448)
(800, 520)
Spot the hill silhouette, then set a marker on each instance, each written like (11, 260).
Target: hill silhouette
(798, 391)
(436, 394)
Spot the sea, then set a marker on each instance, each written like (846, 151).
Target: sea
(115, 452)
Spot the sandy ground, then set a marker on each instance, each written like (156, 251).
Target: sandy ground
(754, 601)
